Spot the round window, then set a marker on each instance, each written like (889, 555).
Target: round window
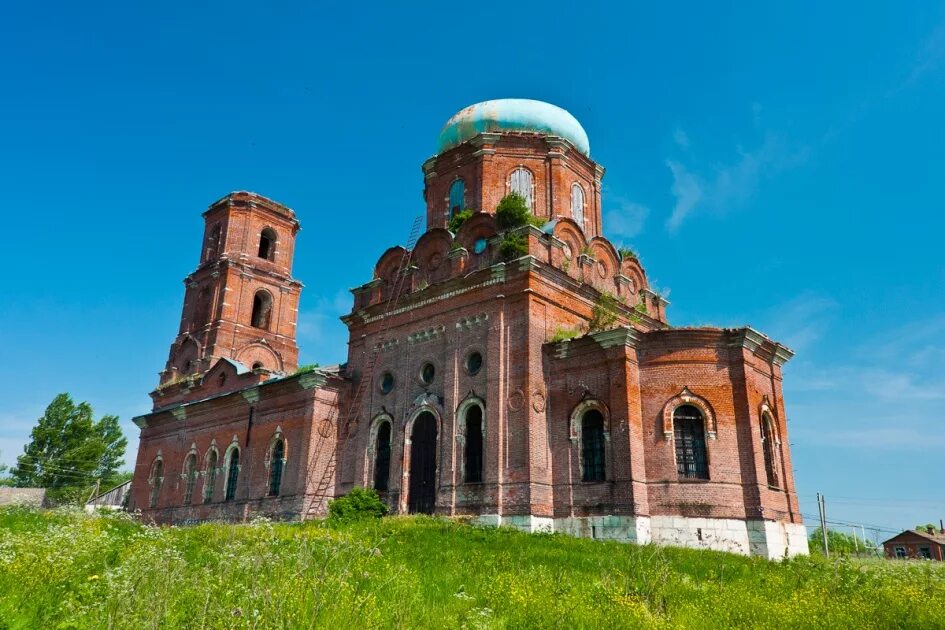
(474, 363)
(387, 383)
(427, 372)
(480, 245)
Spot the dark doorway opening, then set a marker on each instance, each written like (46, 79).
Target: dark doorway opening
(423, 465)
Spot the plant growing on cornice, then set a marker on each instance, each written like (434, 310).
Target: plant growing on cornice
(604, 313)
(513, 246)
(627, 254)
(305, 369)
(513, 212)
(564, 334)
(586, 251)
(458, 219)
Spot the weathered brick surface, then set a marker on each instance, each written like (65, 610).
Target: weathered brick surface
(451, 296)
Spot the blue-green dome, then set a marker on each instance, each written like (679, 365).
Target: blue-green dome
(512, 114)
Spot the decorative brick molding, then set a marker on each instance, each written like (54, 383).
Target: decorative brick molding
(686, 397)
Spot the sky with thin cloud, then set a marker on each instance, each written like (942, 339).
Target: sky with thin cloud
(779, 166)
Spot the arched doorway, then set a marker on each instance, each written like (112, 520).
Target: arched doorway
(422, 497)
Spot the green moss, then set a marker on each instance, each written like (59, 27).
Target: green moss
(563, 334)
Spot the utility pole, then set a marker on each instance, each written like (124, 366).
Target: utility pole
(856, 546)
(822, 508)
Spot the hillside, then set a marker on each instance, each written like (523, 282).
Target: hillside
(62, 569)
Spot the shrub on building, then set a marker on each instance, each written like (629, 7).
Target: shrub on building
(458, 219)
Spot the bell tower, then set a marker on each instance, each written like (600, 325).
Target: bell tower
(241, 303)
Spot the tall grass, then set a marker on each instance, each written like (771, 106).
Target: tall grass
(70, 570)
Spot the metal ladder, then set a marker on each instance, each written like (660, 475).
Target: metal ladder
(317, 503)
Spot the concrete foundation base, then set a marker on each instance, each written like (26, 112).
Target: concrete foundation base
(770, 539)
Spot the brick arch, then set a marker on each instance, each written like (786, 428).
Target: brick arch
(577, 414)
(430, 254)
(260, 352)
(765, 409)
(278, 434)
(370, 450)
(423, 406)
(568, 231)
(686, 397)
(479, 225)
(470, 400)
(388, 263)
(604, 252)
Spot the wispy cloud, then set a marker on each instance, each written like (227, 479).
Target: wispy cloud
(681, 138)
(802, 320)
(928, 59)
(627, 219)
(723, 186)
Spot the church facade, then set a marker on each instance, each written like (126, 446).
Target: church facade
(525, 377)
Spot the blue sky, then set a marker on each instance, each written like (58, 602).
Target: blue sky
(778, 166)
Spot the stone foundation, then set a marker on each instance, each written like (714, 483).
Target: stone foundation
(770, 539)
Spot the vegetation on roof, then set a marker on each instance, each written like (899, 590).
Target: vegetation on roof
(457, 220)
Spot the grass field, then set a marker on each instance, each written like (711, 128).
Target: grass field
(69, 570)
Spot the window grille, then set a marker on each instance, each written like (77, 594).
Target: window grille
(689, 432)
(210, 480)
(592, 445)
(276, 465)
(233, 473)
(190, 474)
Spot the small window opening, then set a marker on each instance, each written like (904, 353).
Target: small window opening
(276, 466)
(257, 365)
(689, 434)
(190, 475)
(262, 310)
(457, 197)
(427, 373)
(521, 182)
(221, 380)
(267, 244)
(474, 363)
(210, 479)
(387, 383)
(382, 458)
(592, 445)
(577, 204)
(901, 552)
(157, 479)
(480, 245)
(473, 448)
(232, 476)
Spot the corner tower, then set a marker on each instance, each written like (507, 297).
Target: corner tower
(241, 303)
(492, 148)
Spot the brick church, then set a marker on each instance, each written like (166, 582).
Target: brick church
(480, 381)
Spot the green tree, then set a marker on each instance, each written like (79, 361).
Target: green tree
(69, 451)
(838, 543)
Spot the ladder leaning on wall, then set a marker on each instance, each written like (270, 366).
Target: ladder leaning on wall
(314, 504)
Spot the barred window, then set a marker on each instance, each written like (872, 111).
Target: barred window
(276, 466)
(210, 479)
(232, 475)
(190, 478)
(521, 183)
(382, 458)
(592, 445)
(473, 448)
(689, 432)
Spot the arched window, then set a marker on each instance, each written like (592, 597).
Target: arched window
(473, 449)
(210, 477)
(202, 308)
(592, 445)
(190, 478)
(276, 466)
(577, 204)
(457, 197)
(267, 244)
(689, 431)
(262, 310)
(768, 444)
(232, 475)
(521, 182)
(157, 480)
(382, 458)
